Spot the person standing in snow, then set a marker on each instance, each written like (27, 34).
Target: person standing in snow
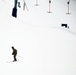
(14, 53)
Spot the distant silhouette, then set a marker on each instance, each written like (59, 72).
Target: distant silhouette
(24, 4)
(68, 2)
(49, 1)
(19, 5)
(14, 53)
(14, 11)
(68, 7)
(65, 25)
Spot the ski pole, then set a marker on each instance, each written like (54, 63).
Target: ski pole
(19, 56)
(49, 6)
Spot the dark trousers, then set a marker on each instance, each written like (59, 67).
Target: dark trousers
(15, 58)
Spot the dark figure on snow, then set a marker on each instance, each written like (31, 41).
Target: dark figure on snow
(14, 53)
(49, 1)
(68, 2)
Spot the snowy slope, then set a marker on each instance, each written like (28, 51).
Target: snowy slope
(38, 16)
(45, 48)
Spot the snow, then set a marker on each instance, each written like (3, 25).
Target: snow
(44, 47)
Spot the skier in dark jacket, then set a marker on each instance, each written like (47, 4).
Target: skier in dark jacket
(14, 53)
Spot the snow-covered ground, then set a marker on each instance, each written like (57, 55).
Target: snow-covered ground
(44, 47)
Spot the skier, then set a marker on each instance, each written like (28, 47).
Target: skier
(14, 53)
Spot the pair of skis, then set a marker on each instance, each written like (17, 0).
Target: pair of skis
(15, 61)
(12, 61)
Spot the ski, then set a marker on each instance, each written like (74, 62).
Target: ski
(12, 61)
